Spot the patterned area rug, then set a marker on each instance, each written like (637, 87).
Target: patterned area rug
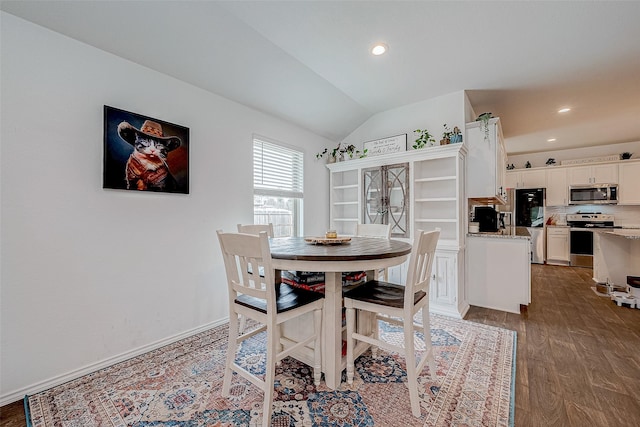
(179, 385)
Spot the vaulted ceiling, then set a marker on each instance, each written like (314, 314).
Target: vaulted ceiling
(309, 61)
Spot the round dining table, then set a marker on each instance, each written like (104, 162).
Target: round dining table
(358, 254)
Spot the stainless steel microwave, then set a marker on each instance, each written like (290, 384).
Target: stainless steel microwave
(602, 194)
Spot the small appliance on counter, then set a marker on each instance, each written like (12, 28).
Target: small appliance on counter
(487, 218)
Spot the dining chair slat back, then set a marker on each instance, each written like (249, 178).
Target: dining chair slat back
(256, 228)
(374, 230)
(382, 231)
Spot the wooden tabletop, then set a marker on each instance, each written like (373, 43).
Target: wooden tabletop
(358, 249)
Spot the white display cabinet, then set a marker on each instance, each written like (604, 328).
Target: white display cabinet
(437, 199)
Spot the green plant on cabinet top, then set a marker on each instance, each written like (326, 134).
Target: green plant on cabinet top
(425, 139)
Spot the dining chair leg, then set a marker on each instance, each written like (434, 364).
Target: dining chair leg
(270, 374)
(410, 360)
(243, 324)
(231, 353)
(374, 327)
(317, 347)
(351, 327)
(426, 325)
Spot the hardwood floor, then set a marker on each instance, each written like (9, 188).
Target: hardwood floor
(578, 355)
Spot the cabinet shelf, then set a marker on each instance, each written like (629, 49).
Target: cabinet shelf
(436, 199)
(345, 219)
(345, 187)
(345, 203)
(436, 220)
(436, 178)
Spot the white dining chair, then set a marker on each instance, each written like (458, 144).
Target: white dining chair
(397, 305)
(374, 230)
(259, 298)
(382, 231)
(256, 229)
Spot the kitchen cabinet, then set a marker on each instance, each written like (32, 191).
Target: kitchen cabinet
(536, 178)
(629, 185)
(558, 245)
(487, 161)
(557, 186)
(593, 174)
(444, 288)
(499, 272)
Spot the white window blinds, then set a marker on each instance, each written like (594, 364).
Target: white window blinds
(277, 170)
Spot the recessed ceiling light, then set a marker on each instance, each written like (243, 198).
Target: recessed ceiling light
(564, 110)
(551, 140)
(379, 49)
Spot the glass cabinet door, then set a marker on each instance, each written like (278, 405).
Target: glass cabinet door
(386, 197)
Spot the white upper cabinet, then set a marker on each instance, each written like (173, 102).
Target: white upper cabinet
(594, 174)
(535, 178)
(486, 160)
(629, 183)
(557, 187)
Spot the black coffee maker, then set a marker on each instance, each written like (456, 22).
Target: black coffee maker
(487, 218)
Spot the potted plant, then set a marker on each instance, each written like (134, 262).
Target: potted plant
(446, 135)
(626, 155)
(351, 151)
(484, 119)
(425, 139)
(332, 155)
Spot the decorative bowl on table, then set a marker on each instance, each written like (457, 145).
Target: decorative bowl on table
(327, 241)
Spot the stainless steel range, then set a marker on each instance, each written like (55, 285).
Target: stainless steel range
(581, 243)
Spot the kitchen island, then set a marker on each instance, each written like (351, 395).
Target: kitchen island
(499, 269)
(616, 255)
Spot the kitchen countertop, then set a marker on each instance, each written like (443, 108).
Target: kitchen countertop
(628, 233)
(511, 232)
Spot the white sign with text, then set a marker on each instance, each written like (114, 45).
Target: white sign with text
(392, 144)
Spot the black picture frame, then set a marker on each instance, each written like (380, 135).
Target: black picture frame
(161, 164)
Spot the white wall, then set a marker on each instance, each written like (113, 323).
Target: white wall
(91, 275)
(431, 114)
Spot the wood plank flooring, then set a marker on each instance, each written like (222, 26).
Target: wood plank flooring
(578, 356)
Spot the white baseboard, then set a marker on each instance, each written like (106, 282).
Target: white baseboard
(19, 394)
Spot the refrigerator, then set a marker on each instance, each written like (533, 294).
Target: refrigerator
(527, 210)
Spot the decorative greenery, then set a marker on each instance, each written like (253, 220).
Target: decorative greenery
(626, 155)
(551, 161)
(511, 167)
(339, 151)
(352, 151)
(332, 155)
(446, 135)
(424, 138)
(484, 119)
(528, 164)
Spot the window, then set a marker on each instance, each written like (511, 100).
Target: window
(277, 187)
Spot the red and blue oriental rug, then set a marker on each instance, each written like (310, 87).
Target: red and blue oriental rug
(179, 386)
